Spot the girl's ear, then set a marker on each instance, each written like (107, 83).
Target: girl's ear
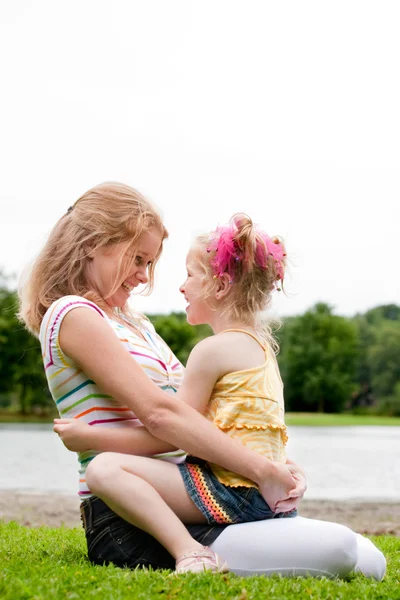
(224, 285)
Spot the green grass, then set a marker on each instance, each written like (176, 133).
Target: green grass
(51, 564)
(336, 420)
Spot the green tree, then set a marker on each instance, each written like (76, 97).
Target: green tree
(22, 377)
(384, 359)
(379, 351)
(178, 334)
(318, 360)
(386, 312)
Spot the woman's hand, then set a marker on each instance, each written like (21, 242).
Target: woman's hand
(74, 433)
(279, 486)
(130, 438)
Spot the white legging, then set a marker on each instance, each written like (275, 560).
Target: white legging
(298, 547)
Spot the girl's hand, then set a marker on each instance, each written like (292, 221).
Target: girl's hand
(74, 433)
(299, 476)
(279, 486)
(298, 493)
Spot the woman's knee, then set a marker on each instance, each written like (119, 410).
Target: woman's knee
(100, 469)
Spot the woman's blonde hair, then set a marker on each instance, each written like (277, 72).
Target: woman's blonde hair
(255, 264)
(109, 213)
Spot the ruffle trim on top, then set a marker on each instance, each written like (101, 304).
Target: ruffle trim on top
(264, 427)
(225, 477)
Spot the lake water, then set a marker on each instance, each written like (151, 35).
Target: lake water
(340, 462)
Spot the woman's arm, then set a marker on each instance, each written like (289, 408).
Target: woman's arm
(88, 339)
(79, 436)
(199, 380)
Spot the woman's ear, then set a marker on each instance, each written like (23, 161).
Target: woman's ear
(89, 251)
(224, 285)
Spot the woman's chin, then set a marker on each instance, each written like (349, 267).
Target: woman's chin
(119, 299)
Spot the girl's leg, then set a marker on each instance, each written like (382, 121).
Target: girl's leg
(291, 547)
(298, 547)
(148, 493)
(370, 561)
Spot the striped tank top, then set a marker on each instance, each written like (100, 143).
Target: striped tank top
(78, 397)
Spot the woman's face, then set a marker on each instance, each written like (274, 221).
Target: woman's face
(108, 262)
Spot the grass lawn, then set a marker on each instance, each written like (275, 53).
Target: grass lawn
(336, 420)
(51, 564)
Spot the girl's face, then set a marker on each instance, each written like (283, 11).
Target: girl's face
(198, 310)
(114, 273)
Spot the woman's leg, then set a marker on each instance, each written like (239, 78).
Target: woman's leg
(149, 494)
(298, 547)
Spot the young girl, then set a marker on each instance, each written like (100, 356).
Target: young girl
(233, 379)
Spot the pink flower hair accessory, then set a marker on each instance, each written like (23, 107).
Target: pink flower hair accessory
(227, 253)
(274, 249)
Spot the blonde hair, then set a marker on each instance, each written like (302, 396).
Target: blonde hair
(109, 213)
(252, 281)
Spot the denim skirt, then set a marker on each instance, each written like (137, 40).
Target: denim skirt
(221, 504)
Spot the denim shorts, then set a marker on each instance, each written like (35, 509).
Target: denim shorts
(111, 539)
(221, 504)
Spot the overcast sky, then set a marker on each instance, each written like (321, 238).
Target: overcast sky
(288, 111)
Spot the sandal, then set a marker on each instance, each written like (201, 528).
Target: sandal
(199, 561)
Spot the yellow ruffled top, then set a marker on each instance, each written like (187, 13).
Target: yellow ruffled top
(248, 405)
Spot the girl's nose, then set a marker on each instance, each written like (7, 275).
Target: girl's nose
(182, 289)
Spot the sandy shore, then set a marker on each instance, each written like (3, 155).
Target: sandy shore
(53, 511)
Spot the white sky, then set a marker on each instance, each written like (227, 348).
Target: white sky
(288, 111)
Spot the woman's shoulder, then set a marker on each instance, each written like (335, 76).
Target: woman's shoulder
(71, 301)
(61, 307)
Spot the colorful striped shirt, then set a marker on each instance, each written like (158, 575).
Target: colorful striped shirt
(77, 396)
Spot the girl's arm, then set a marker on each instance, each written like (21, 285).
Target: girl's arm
(205, 365)
(88, 339)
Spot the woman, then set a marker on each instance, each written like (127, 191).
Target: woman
(75, 300)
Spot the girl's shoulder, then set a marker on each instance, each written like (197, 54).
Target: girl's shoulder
(234, 350)
(242, 336)
(229, 341)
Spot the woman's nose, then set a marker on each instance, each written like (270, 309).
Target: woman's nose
(142, 275)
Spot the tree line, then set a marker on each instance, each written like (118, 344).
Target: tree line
(328, 363)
